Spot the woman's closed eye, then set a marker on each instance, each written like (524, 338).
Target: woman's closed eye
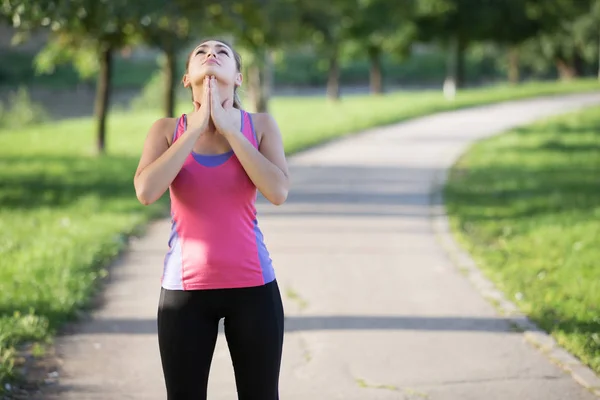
(220, 52)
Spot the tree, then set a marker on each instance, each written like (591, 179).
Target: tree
(455, 24)
(595, 16)
(512, 24)
(328, 25)
(259, 28)
(85, 32)
(165, 26)
(263, 27)
(568, 36)
(381, 27)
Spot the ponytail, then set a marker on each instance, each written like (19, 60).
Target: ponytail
(237, 103)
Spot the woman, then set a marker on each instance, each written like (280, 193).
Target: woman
(213, 160)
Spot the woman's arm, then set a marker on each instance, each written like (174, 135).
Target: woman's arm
(267, 166)
(159, 163)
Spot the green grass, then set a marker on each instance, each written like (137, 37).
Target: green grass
(65, 213)
(526, 204)
(309, 121)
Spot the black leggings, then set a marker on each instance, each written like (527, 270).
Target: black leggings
(187, 333)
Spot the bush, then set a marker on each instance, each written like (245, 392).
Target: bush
(152, 94)
(20, 110)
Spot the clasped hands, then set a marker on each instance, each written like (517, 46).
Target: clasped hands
(212, 112)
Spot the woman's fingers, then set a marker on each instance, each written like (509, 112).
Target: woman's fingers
(214, 93)
(206, 95)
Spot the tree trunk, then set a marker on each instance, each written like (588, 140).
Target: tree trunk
(333, 77)
(450, 84)
(598, 57)
(455, 74)
(260, 80)
(513, 65)
(102, 97)
(566, 69)
(375, 76)
(169, 71)
(578, 64)
(461, 48)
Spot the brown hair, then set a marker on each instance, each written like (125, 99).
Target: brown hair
(238, 62)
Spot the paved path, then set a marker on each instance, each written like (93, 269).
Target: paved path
(375, 309)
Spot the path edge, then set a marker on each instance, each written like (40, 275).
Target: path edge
(464, 263)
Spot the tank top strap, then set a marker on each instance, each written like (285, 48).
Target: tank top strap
(179, 127)
(248, 128)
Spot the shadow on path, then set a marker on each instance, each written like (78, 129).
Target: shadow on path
(329, 323)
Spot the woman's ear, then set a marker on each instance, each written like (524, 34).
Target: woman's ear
(238, 79)
(186, 81)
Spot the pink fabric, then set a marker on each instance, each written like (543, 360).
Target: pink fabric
(214, 222)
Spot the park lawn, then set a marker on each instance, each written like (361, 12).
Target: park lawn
(65, 214)
(526, 205)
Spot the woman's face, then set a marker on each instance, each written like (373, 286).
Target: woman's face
(212, 58)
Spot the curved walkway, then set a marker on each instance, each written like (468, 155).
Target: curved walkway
(375, 308)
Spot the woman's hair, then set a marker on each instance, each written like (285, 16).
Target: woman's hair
(238, 62)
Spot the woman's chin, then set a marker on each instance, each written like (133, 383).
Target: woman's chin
(212, 70)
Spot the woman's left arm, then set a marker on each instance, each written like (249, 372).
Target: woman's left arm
(267, 166)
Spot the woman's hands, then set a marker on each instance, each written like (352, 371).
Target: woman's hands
(199, 120)
(211, 113)
(220, 111)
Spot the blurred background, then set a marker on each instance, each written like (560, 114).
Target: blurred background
(129, 54)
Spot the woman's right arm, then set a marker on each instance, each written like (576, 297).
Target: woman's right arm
(160, 163)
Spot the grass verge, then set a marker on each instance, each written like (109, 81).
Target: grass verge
(526, 205)
(65, 213)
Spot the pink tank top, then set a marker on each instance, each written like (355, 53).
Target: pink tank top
(215, 240)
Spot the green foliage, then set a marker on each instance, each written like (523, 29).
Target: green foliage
(19, 110)
(79, 28)
(526, 205)
(326, 25)
(569, 37)
(16, 67)
(372, 31)
(84, 58)
(7, 364)
(151, 96)
(20, 69)
(132, 73)
(510, 22)
(356, 28)
(423, 67)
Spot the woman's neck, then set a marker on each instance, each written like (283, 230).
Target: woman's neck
(225, 93)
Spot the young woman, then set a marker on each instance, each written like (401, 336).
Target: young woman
(213, 160)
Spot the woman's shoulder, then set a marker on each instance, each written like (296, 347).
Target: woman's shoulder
(264, 124)
(261, 117)
(166, 126)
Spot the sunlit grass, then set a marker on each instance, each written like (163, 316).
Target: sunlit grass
(527, 204)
